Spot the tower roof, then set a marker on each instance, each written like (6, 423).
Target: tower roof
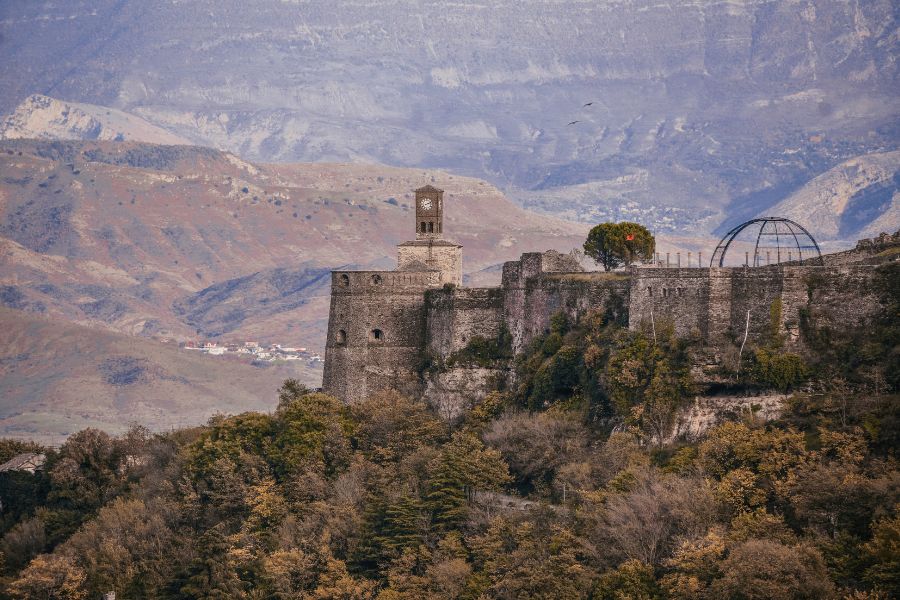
(429, 188)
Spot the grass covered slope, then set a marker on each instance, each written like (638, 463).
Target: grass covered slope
(126, 235)
(57, 378)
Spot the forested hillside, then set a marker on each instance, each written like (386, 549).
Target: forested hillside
(557, 487)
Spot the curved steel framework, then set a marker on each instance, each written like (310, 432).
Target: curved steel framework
(772, 229)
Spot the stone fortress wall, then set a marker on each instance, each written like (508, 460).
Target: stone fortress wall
(712, 304)
(384, 324)
(376, 332)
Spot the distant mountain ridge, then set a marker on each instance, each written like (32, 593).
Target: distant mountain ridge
(859, 198)
(186, 242)
(44, 118)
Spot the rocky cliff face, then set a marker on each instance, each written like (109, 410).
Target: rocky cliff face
(856, 199)
(44, 118)
(689, 113)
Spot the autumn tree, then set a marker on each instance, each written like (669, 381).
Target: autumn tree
(534, 558)
(50, 576)
(390, 426)
(615, 244)
(645, 522)
(536, 445)
(764, 569)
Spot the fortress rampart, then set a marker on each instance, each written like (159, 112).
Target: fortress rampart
(386, 327)
(418, 318)
(712, 304)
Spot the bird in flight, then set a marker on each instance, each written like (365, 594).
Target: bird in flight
(588, 104)
(573, 122)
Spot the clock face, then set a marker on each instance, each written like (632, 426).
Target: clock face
(425, 203)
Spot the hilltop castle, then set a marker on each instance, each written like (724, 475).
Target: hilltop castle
(384, 325)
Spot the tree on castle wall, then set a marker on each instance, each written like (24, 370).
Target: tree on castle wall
(615, 244)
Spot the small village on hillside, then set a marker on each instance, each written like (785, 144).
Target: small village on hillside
(255, 350)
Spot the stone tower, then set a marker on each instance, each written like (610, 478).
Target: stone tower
(376, 326)
(429, 213)
(429, 251)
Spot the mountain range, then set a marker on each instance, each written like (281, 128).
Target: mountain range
(187, 242)
(689, 115)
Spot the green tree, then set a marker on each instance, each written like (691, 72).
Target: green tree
(647, 381)
(883, 555)
(211, 575)
(779, 370)
(615, 244)
(463, 467)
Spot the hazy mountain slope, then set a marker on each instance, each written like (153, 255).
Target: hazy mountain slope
(41, 117)
(858, 198)
(182, 241)
(57, 378)
(717, 110)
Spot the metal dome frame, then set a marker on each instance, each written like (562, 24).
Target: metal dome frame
(728, 238)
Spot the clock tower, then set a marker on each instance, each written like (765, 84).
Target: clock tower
(430, 251)
(429, 213)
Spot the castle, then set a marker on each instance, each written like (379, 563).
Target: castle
(384, 325)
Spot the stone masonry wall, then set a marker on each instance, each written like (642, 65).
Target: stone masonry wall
(531, 296)
(440, 255)
(714, 303)
(414, 314)
(376, 332)
(680, 296)
(455, 315)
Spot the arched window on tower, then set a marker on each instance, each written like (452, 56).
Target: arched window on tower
(340, 337)
(423, 226)
(431, 228)
(376, 335)
(345, 280)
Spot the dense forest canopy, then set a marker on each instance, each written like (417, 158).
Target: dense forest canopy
(562, 485)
